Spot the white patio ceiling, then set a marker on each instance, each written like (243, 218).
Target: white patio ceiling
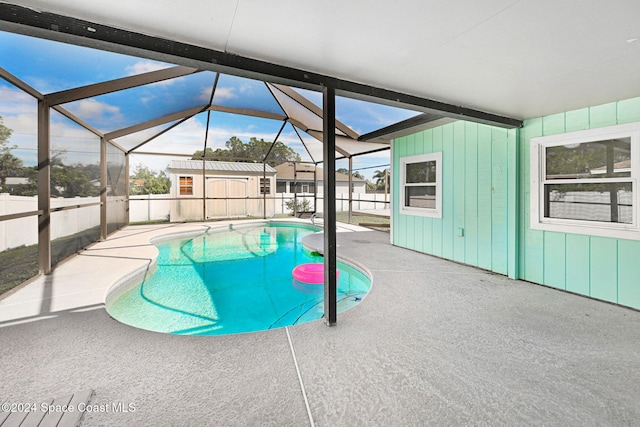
(517, 58)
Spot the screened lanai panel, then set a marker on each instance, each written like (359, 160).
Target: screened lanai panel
(242, 93)
(303, 117)
(290, 137)
(361, 116)
(364, 117)
(116, 189)
(185, 138)
(75, 161)
(314, 146)
(19, 144)
(18, 250)
(311, 95)
(351, 146)
(129, 107)
(75, 180)
(50, 66)
(224, 126)
(189, 137)
(73, 230)
(128, 142)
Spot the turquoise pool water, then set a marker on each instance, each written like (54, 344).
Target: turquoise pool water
(232, 281)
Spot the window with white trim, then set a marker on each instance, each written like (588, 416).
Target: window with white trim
(586, 182)
(421, 185)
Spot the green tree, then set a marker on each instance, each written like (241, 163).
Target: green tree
(147, 181)
(345, 171)
(75, 180)
(10, 165)
(255, 149)
(381, 177)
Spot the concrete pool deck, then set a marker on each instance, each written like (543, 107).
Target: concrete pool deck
(434, 343)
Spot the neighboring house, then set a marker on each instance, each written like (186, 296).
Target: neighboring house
(13, 183)
(231, 189)
(496, 198)
(303, 178)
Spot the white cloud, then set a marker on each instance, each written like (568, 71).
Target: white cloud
(225, 93)
(90, 109)
(145, 100)
(26, 124)
(147, 67)
(14, 102)
(205, 94)
(246, 89)
(144, 67)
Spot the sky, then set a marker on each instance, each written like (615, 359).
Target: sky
(50, 66)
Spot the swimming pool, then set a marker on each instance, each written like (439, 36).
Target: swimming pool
(231, 280)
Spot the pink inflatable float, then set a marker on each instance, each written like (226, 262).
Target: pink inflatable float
(311, 273)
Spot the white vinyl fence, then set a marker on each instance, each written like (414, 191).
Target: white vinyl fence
(360, 202)
(24, 231)
(148, 208)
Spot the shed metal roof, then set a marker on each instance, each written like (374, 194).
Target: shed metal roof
(286, 171)
(220, 166)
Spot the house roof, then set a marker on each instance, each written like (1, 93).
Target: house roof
(196, 165)
(285, 171)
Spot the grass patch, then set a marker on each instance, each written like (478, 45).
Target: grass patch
(20, 264)
(151, 222)
(364, 219)
(17, 265)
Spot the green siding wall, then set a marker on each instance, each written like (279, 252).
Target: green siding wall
(599, 267)
(477, 197)
(486, 192)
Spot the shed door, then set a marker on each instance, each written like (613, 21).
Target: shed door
(237, 188)
(216, 188)
(221, 189)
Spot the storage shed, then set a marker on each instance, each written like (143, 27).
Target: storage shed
(220, 190)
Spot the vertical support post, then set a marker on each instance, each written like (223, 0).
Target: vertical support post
(386, 185)
(315, 188)
(329, 180)
(44, 189)
(103, 188)
(391, 215)
(513, 204)
(295, 189)
(204, 186)
(613, 190)
(350, 188)
(263, 189)
(127, 187)
(204, 161)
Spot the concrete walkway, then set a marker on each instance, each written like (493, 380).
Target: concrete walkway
(434, 343)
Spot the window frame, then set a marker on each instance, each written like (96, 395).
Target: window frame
(180, 177)
(264, 183)
(417, 211)
(300, 187)
(538, 180)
